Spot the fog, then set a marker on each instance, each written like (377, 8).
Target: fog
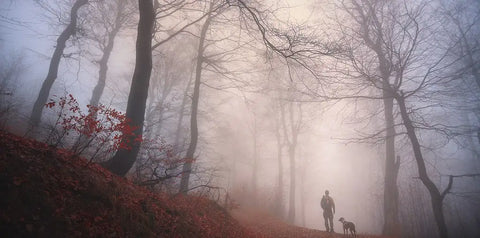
(309, 83)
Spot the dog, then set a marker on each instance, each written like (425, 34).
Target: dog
(347, 225)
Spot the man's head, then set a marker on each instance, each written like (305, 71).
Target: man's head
(326, 192)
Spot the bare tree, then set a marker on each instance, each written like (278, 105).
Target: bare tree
(254, 131)
(462, 27)
(70, 30)
(399, 36)
(168, 74)
(187, 167)
(280, 145)
(373, 24)
(107, 20)
(123, 159)
(292, 122)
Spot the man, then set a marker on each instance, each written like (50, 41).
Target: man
(328, 207)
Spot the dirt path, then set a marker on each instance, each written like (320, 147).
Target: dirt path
(265, 225)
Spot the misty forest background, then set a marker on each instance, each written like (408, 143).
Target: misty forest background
(265, 103)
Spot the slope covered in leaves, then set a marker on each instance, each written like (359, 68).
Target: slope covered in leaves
(48, 192)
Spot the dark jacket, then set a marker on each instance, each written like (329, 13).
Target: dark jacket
(327, 204)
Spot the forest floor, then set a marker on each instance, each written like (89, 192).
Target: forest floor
(49, 192)
(270, 226)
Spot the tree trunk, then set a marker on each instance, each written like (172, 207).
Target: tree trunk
(187, 166)
(294, 129)
(291, 209)
(255, 164)
(279, 195)
(42, 98)
(390, 195)
(302, 193)
(103, 63)
(181, 115)
(291, 151)
(390, 203)
(435, 196)
(124, 159)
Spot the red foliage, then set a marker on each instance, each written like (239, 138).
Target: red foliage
(101, 125)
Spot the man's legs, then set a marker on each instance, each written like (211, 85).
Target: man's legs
(325, 217)
(330, 217)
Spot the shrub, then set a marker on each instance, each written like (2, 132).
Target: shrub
(100, 131)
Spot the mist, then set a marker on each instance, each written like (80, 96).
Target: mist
(294, 98)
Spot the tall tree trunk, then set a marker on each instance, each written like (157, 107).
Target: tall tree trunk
(294, 128)
(302, 193)
(435, 196)
(390, 195)
(279, 195)
(42, 98)
(255, 164)
(390, 203)
(187, 166)
(181, 115)
(124, 159)
(291, 207)
(103, 62)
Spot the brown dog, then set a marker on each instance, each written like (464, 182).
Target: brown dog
(347, 225)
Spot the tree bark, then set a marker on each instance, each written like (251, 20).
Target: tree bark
(189, 158)
(390, 194)
(124, 159)
(42, 98)
(435, 196)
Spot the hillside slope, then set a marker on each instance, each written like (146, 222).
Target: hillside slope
(47, 192)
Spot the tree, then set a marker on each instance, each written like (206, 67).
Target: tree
(106, 21)
(409, 67)
(70, 30)
(254, 131)
(436, 197)
(370, 36)
(279, 144)
(463, 29)
(124, 159)
(136, 107)
(189, 157)
(292, 122)
(168, 73)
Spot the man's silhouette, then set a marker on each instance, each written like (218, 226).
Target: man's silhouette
(328, 207)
